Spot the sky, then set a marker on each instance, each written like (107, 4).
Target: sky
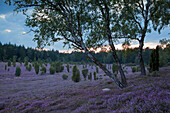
(13, 30)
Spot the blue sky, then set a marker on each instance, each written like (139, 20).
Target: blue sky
(12, 29)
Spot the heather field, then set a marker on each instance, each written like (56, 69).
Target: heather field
(30, 92)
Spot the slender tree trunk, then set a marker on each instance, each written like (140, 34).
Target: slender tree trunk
(123, 78)
(141, 61)
(109, 36)
(108, 73)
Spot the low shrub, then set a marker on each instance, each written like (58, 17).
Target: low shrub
(133, 69)
(138, 68)
(64, 76)
(114, 68)
(62, 68)
(52, 70)
(8, 69)
(42, 73)
(18, 71)
(154, 74)
(130, 64)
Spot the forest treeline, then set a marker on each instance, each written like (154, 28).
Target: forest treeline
(128, 56)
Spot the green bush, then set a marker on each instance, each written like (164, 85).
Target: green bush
(64, 76)
(43, 69)
(114, 68)
(26, 63)
(154, 74)
(14, 61)
(9, 63)
(52, 70)
(94, 75)
(30, 67)
(97, 69)
(36, 67)
(68, 68)
(75, 74)
(8, 69)
(138, 68)
(42, 73)
(18, 71)
(90, 76)
(168, 63)
(58, 67)
(130, 64)
(62, 68)
(85, 73)
(133, 69)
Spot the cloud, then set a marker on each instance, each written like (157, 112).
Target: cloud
(2, 16)
(151, 45)
(7, 30)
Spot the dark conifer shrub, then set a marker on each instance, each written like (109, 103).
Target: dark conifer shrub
(36, 67)
(94, 74)
(114, 68)
(68, 68)
(154, 60)
(133, 69)
(85, 73)
(62, 68)
(90, 76)
(97, 69)
(9, 63)
(29, 67)
(5, 67)
(26, 63)
(18, 71)
(76, 74)
(52, 70)
(14, 61)
(43, 69)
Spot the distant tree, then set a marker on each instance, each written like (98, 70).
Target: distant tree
(164, 42)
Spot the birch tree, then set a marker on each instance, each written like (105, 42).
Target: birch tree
(139, 17)
(73, 21)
